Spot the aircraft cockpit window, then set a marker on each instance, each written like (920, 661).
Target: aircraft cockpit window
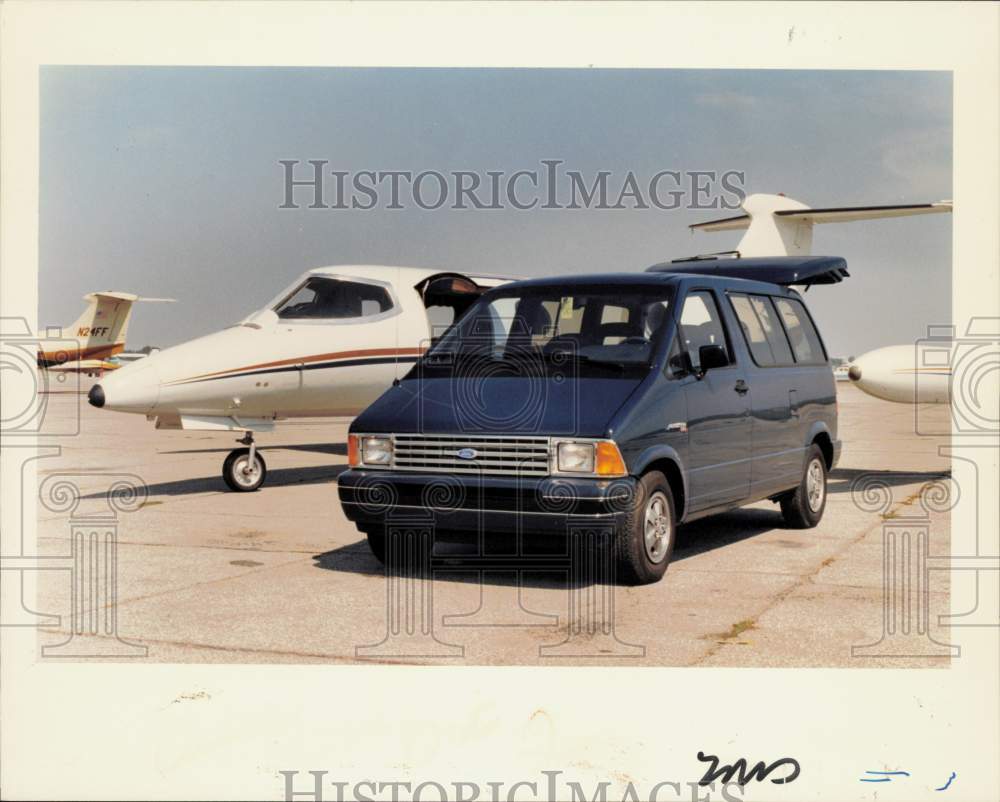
(320, 298)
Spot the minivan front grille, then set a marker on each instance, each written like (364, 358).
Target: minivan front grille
(513, 456)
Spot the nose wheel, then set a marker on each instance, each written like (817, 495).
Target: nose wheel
(244, 469)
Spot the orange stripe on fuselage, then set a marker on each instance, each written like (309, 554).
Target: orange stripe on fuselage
(77, 354)
(302, 360)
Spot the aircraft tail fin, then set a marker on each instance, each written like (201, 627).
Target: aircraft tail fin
(100, 330)
(102, 327)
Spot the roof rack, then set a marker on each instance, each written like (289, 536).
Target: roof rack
(704, 256)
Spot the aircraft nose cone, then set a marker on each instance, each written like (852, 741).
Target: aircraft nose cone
(96, 396)
(854, 373)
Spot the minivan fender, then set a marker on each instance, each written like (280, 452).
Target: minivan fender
(820, 428)
(659, 453)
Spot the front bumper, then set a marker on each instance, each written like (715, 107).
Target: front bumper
(482, 503)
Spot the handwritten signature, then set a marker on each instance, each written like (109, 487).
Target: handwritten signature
(738, 769)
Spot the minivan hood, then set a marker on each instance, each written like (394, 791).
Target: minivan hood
(552, 406)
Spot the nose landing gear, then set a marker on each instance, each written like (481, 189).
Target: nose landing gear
(244, 469)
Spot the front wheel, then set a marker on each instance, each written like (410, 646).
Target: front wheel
(803, 507)
(242, 475)
(644, 541)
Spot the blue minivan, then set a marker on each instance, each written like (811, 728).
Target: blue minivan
(628, 402)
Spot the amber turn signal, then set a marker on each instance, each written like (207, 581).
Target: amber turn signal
(353, 452)
(609, 460)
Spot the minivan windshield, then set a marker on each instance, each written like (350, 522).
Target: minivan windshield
(599, 329)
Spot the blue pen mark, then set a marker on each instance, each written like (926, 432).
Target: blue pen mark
(945, 786)
(886, 776)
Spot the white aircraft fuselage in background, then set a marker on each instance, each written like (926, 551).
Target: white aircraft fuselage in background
(905, 373)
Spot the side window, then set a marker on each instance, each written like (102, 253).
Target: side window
(801, 332)
(776, 339)
(701, 325)
(321, 298)
(753, 330)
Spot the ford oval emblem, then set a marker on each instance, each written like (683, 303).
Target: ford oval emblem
(467, 453)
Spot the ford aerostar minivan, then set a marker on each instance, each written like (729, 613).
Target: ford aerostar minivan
(631, 402)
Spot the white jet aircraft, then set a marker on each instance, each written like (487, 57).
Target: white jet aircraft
(779, 226)
(327, 345)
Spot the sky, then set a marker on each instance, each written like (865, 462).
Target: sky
(167, 182)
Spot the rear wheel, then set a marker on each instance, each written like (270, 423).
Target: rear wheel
(242, 475)
(803, 507)
(644, 541)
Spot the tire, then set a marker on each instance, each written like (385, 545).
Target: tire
(803, 507)
(235, 475)
(641, 560)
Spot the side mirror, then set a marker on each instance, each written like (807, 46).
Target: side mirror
(712, 356)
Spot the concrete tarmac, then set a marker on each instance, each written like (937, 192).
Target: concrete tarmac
(207, 575)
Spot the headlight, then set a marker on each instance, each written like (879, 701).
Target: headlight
(596, 458)
(575, 457)
(376, 450)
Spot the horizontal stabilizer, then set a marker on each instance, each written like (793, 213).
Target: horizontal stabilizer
(737, 223)
(776, 225)
(849, 214)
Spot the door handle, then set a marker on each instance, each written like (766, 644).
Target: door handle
(742, 387)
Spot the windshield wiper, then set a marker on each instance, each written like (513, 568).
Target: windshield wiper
(586, 359)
